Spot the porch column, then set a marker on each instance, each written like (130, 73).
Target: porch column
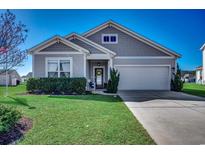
(85, 62)
(203, 67)
(110, 65)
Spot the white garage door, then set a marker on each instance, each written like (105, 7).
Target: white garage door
(144, 77)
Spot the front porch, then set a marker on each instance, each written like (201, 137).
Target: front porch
(98, 72)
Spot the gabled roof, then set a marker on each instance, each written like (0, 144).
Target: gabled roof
(132, 34)
(29, 75)
(89, 42)
(8, 71)
(53, 40)
(199, 68)
(202, 48)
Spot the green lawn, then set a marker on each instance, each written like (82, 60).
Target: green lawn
(194, 89)
(86, 119)
(13, 90)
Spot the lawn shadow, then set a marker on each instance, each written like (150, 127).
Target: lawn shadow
(100, 98)
(146, 96)
(18, 101)
(196, 92)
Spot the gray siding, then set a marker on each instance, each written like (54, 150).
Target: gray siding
(78, 64)
(127, 45)
(144, 62)
(58, 47)
(86, 46)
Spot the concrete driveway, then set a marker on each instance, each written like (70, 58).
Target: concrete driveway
(169, 117)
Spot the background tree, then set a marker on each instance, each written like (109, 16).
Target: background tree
(178, 71)
(12, 35)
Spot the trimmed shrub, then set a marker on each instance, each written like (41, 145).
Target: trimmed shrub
(8, 117)
(57, 85)
(112, 86)
(31, 84)
(177, 83)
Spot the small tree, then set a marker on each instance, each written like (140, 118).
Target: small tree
(177, 83)
(178, 72)
(12, 35)
(113, 82)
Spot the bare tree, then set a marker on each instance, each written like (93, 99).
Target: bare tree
(12, 35)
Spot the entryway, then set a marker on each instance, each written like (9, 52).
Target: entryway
(99, 75)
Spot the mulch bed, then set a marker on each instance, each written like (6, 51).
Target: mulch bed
(17, 132)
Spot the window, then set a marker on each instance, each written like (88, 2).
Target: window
(106, 38)
(113, 39)
(64, 68)
(52, 68)
(58, 67)
(109, 38)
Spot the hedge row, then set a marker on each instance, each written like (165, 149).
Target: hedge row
(8, 117)
(57, 85)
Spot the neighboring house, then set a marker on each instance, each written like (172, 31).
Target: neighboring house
(142, 63)
(13, 77)
(203, 63)
(188, 76)
(199, 75)
(24, 78)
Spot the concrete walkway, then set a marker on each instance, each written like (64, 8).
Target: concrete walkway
(169, 117)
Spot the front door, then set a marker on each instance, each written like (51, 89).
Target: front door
(99, 77)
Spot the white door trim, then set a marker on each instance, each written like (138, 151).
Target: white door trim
(103, 67)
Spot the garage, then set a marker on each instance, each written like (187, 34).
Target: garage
(147, 77)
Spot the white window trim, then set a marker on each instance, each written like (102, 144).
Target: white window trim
(58, 59)
(116, 35)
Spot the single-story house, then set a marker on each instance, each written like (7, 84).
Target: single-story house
(13, 78)
(188, 76)
(24, 78)
(143, 64)
(199, 75)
